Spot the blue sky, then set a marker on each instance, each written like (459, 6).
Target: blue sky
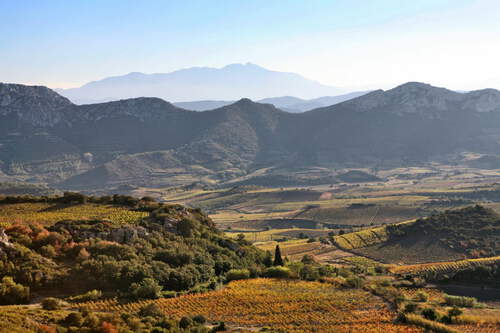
(346, 43)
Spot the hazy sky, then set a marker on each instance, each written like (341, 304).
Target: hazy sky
(354, 44)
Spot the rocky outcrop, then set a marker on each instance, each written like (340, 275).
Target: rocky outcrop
(4, 240)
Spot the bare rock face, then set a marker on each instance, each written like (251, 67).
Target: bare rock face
(4, 239)
(126, 235)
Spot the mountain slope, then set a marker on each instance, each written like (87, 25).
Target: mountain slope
(147, 141)
(200, 83)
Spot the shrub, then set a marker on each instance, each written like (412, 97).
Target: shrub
(277, 272)
(185, 322)
(147, 288)
(51, 303)
(12, 292)
(219, 328)
(430, 314)
(48, 251)
(410, 307)
(237, 274)
(74, 319)
(308, 259)
(150, 310)
(421, 296)
(309, 273)
(199, 319)
(354, 282)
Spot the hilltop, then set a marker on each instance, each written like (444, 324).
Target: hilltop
(471, 232)
(150, 142)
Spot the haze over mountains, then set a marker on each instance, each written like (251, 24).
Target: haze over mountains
(286, 103)
(231, 82)
(147, 141)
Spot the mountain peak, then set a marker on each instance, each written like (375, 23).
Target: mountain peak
(34, 105)
(202, 83)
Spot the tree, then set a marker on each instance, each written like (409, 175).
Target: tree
(268, 259)
(185, 227)
(148, 288)
(278, 261)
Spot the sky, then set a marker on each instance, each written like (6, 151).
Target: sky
(351, 44)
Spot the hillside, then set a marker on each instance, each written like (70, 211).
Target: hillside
(70, 244)
(150, 142)
(471, 232)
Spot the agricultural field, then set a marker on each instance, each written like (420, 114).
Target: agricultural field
(280, 305)
(443, 267)
(398, 195)
(49, 213)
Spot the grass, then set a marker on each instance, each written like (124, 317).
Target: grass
(287, 305)
(47, 214)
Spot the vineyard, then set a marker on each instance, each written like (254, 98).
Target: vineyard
(47, 214)
(286, 305)
(364, 238)
(294, 249)
(440, 268)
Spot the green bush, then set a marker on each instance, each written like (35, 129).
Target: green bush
(74, 319)
(51, 303)
(150, 310)
(185, 322)
(410, 307)
(237, 274)
(148, 288)
(12, 292)
(200, 319)
(277, 272)
(309, 273)
(430, 314)
(354, 282)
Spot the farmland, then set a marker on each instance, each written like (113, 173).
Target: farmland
(282, 305)
(47, 213)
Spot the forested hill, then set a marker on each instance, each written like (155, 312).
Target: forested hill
(135, 248)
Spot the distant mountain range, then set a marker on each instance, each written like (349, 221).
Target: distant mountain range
(147, 141)
(286, 103)
(231, 82)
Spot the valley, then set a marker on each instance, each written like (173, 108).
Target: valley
(389, 246)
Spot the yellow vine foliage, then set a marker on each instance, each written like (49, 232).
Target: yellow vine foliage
(286, 305)
(47, 214)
